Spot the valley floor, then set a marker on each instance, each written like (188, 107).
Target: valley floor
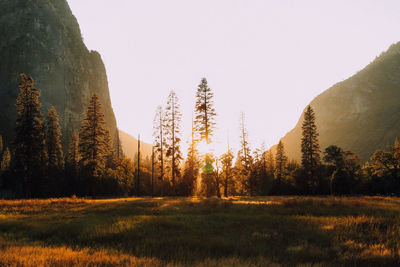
(258, 231)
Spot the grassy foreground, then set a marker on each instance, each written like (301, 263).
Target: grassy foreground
(203, 232)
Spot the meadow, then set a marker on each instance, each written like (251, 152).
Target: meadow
(258, 231)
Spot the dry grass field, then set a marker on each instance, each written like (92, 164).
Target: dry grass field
(260, 231)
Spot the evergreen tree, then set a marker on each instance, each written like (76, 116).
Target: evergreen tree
(173, 118)
(118, 146)
(29, 143)
(245, 157)
(280, 164)
(159, 142)
(93, 141)
(53, 140)
(72, 164)
(310, 148)
(110, 153)
(204, 111)
(191, 169)
(270, 163)
(73, 156)
(227, 161)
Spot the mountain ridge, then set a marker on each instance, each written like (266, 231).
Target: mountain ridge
(358, 114)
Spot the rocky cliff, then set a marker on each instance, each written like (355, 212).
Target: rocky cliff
(42, 39)
(361, 114)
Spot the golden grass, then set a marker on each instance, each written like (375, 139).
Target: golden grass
(236, 231)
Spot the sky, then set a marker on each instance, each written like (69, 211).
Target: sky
(265, 58)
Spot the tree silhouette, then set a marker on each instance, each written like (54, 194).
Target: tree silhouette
(159, 142)
(53, 140)
(173, 118)
(29, 143)
(93, 146)
(204, 111)
(310, 147)
(280, 164)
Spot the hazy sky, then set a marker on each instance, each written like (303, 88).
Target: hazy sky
(268, 59)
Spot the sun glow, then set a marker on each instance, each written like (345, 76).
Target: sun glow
(205, 148)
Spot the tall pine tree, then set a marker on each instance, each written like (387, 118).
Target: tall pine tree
(72, 164)
(280, 165)
(159, 143)
(29, 143)
(204, 111)
(192, 167)
(173, 118)
(310, 148)
(93, 140)
(245, 157)
(227, 161)
(53, 140)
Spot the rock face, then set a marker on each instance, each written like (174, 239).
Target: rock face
(42, 39)
(361, 114)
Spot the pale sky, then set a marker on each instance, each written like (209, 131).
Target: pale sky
(268, 59)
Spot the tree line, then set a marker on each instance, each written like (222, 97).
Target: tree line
(35, 165)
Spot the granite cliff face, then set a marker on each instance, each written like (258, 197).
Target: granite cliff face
(42, 39)
(361, 114)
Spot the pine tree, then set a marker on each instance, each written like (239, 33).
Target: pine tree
(29, 143)
(227, 161)
(204, 111)
(173, 118)
(310, 147)
(245, 157)
(72, 163)
(270, 163)
(53, 140)
(110, 153)
(93, 138)
(118, 146)
(280, 164)
(159, 142)
(5, 160)
(192, 167)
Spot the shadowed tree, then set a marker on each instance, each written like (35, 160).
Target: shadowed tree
(173, 118)
(310, 148)
(54, 152)
(93, 146)
(280, 165)
(53, 140)
(245, 157)
(30, 146)
(227, 161)
(72, 164)
(192, 167)
(119, 153)
(159, 142)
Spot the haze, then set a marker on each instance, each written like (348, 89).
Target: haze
(268, 59)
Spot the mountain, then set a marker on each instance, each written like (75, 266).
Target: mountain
(42, 39)
(361, 114)
(130, 146)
